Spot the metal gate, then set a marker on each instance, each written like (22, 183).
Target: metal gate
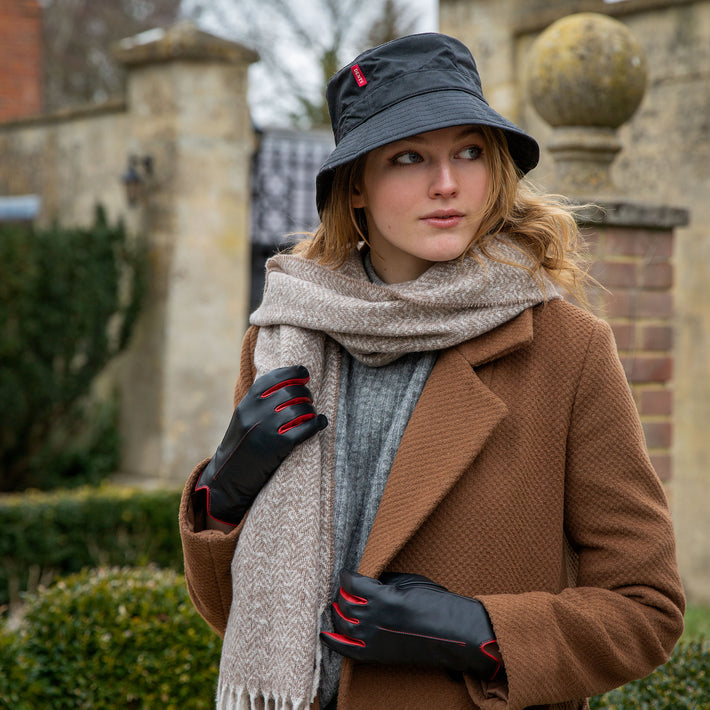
(283, 194)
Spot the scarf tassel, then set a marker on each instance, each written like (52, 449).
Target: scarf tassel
(229, 698)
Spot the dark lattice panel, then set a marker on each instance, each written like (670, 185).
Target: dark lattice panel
(283, 195)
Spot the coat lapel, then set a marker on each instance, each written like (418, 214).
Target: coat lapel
(454, 417)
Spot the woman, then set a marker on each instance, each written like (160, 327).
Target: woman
(458, 511)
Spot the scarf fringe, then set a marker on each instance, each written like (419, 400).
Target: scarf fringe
(229, 698)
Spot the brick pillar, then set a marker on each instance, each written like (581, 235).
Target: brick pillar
(631, 247)
(20, 59)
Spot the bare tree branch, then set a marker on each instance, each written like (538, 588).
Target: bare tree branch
(322, 35)
(78, 66)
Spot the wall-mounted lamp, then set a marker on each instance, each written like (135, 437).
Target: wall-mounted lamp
(137, 177)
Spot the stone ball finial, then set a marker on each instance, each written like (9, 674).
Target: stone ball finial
(586, 77)
(586, 69)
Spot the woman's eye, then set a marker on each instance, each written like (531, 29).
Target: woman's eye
(473, 152)
(408, 158)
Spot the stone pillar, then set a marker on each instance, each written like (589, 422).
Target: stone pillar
(186, 94)
(586, 78)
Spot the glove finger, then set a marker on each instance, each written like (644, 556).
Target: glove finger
(351, 605)
(298, 430)
(285, 393)
(293, 399)
(274, 380)
(358, 585)
(344, 624)
(290, 415)
(352, 648)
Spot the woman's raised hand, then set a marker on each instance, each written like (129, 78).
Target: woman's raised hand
(276, 414)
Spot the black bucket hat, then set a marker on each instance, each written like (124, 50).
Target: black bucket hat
(407, 86)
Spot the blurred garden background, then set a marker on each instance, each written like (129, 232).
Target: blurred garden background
(153, 153)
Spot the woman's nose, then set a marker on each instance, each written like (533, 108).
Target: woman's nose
(444, 182)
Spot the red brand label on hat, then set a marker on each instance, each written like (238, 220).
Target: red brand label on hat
(359, 76)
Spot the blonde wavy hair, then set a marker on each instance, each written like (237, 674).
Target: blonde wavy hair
(542, 226)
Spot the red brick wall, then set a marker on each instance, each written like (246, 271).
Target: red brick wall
(635, 265)
(20, 58)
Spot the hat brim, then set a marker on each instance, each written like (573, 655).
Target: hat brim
(419, 114)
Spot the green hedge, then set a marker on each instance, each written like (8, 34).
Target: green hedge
(111, 638)
(69, 298)
(681, 684)
(50, 535)
(130, 638)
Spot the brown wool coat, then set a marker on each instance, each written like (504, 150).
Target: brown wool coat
(522, 479)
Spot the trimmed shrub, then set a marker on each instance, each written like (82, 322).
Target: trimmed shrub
(68, 301)
(681, 684)
(130, 638)
(49, 535)
(111, 638)
(11, 677)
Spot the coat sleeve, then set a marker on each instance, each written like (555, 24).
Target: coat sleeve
(625, 614)
(208, 553)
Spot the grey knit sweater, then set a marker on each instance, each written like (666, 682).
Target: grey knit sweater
(374, 407)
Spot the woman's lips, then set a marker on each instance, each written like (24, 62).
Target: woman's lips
(443, 220)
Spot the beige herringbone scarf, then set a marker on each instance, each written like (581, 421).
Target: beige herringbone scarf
(282, 565)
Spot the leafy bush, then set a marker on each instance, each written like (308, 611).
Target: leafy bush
(11, 677)
(47, 535)
(111, 638)
(68, 302)
(681, 684)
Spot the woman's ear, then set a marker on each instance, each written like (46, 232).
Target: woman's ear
(358, 199)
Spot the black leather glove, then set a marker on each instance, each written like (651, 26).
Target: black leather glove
(275, 415)
(407, 618)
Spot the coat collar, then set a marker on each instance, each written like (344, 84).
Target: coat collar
(500, 341)
(436, 450)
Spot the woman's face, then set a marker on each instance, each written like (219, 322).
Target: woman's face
(423, 199)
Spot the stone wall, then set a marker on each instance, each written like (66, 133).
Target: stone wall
(71, 159)
(665, 159)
